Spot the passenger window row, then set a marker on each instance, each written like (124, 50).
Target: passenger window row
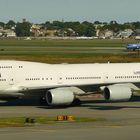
(126, 77)
(2, 79)
(37, 79)
(71, 78)
(5, 67)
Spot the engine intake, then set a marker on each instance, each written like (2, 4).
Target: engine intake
(59, 96)
(117, 93)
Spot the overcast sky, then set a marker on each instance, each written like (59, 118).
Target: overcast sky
(70, 10)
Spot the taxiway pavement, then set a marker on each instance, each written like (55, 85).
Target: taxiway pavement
(122, 121)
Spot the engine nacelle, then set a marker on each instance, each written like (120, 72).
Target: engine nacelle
(117, 93)
(59, 96)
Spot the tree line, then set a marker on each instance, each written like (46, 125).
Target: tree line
(71, 28)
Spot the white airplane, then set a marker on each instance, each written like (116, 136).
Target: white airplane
(60, 84)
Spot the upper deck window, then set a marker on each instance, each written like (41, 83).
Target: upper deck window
(5, 67)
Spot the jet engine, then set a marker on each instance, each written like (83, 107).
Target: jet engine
(117, 93)
(59, 97)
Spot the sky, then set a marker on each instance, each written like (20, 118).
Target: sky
(40, 11)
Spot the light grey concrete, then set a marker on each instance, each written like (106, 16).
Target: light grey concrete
(122, 122)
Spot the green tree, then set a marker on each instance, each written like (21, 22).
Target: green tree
(113, 22)
(48, 25)
(2, 24)
(97, 22)
(85, 29)
(58, 25)
(136, 25)
(10, 24)
(23, 29)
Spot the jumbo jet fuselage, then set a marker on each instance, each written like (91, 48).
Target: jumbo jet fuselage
(21, 76)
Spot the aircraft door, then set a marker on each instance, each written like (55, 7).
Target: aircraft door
(11, 82)
(60, 79)
(106, 77)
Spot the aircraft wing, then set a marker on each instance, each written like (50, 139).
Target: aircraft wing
(74, 89)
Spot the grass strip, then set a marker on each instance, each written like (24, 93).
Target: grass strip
(20, 121)
(67, 43)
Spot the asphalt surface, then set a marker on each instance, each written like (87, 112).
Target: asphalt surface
(84, 50)
(67, 133)
(121, 121)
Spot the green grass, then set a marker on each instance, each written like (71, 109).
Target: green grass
(20, 121)
(54, 58)
(65, 51)
(66, 43)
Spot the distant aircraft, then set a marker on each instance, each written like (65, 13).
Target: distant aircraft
(60, 84)
(133, 46)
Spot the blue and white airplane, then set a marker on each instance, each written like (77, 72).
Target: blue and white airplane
(133, 46)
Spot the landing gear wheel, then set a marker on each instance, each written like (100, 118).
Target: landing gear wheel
(76, 102)
(43, 101)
